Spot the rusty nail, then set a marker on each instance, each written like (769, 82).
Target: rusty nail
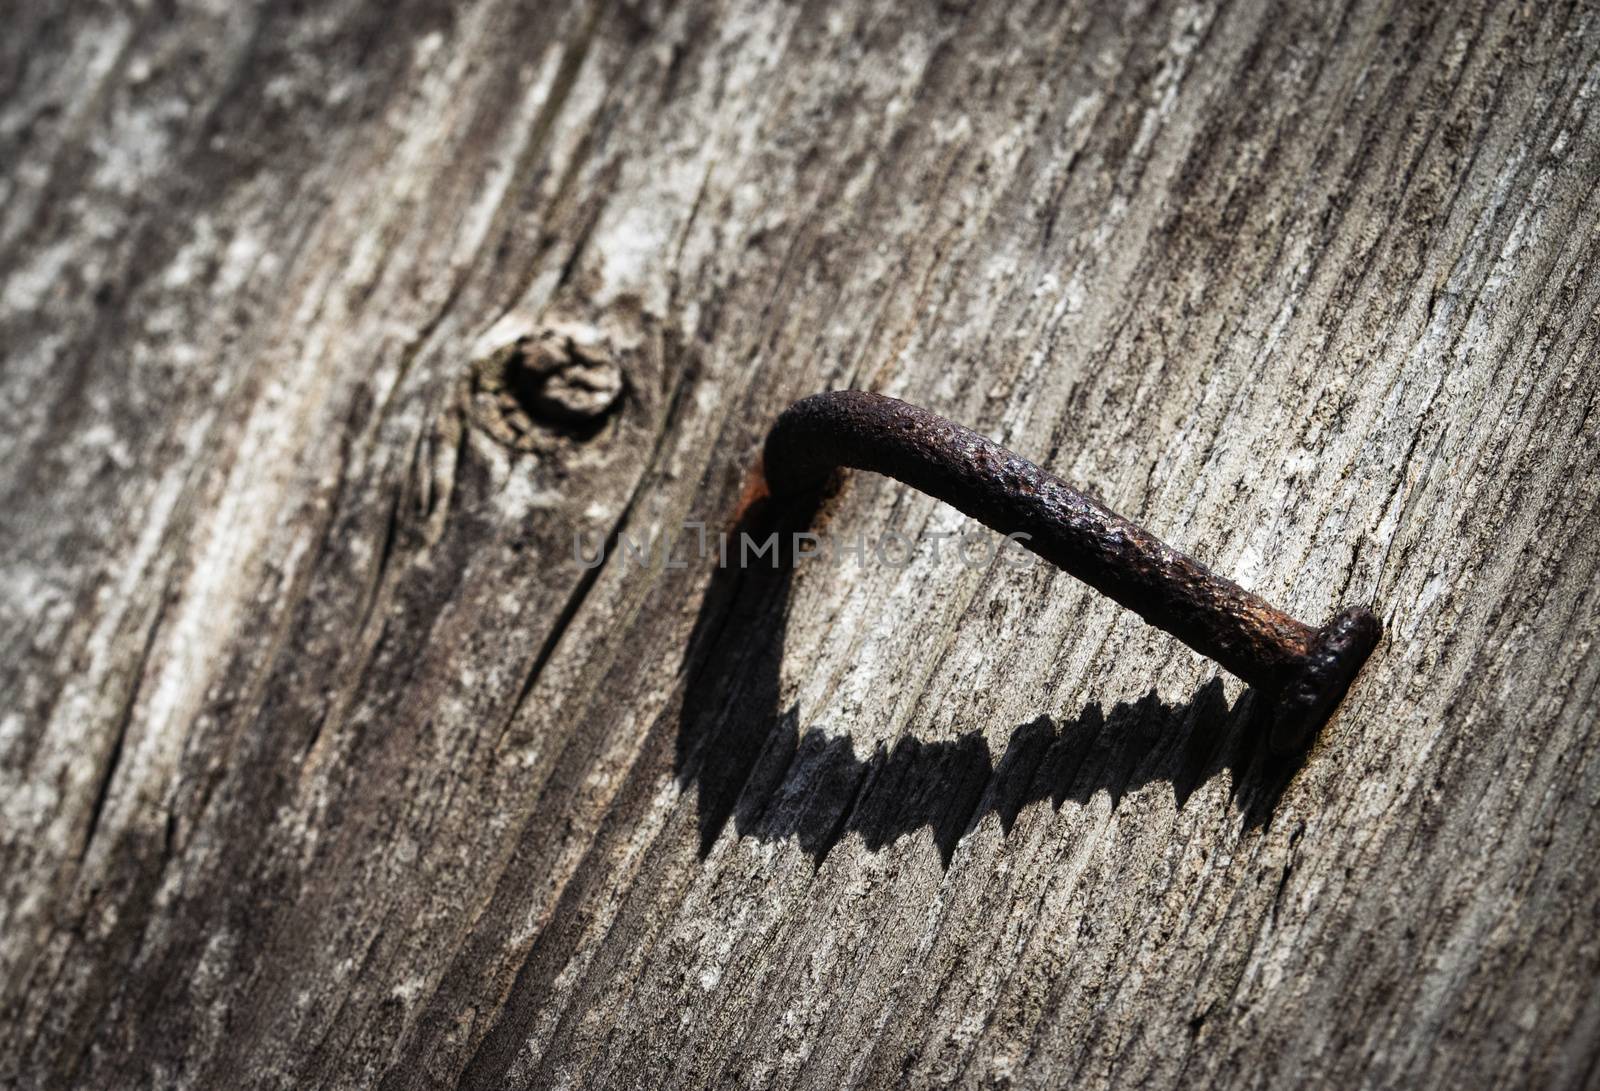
(1305, 670)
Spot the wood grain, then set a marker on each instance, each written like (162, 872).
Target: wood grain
(325, 762)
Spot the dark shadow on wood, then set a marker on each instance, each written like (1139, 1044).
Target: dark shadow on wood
(749, 762)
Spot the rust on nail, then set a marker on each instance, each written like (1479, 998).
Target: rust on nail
(1305, 669)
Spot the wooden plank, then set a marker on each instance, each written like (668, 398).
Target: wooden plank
(326, 761)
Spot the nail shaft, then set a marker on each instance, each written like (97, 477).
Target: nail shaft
(1306, 668)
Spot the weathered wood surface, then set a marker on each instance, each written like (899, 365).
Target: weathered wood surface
(323, 762)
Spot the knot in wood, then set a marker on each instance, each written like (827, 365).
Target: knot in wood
(561, 383)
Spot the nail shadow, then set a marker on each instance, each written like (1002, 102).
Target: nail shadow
(751, 764)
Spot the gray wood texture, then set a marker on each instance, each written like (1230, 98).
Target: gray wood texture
(325, 328)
